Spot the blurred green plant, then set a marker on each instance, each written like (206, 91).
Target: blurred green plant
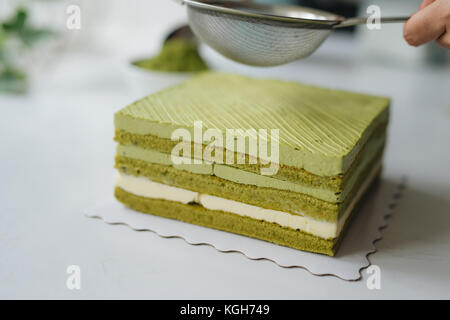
(17, 36)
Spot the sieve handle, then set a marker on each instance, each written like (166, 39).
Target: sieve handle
(363, 20)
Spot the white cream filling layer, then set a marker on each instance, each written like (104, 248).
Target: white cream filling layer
(144, 187)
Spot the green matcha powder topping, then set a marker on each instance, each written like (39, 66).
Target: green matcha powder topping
(176, 56)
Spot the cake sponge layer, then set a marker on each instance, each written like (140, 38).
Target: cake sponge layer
(225, 221)
(267, 198)
(196, 214)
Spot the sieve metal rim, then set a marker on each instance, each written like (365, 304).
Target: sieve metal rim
(219, 6)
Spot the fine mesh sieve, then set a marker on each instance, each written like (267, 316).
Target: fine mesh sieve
(264, 35)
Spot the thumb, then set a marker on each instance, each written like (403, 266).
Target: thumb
(427, 24)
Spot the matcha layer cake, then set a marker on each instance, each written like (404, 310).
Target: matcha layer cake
(278, 161)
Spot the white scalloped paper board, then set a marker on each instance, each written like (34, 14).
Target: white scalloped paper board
(352, 256)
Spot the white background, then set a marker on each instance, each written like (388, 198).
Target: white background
(57, 159)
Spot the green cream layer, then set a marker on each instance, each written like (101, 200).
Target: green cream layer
(321, 130)
(285, 173)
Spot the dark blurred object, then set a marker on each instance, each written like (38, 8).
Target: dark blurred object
(183, 33)
(345, 8)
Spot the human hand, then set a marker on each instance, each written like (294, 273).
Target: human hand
(431, 22)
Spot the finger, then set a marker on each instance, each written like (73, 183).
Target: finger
(426, 25)
(444, 40)
(425, 3)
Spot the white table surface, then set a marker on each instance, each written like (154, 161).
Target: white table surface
(57, 159)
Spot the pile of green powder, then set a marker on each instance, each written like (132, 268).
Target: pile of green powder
(176, 56)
